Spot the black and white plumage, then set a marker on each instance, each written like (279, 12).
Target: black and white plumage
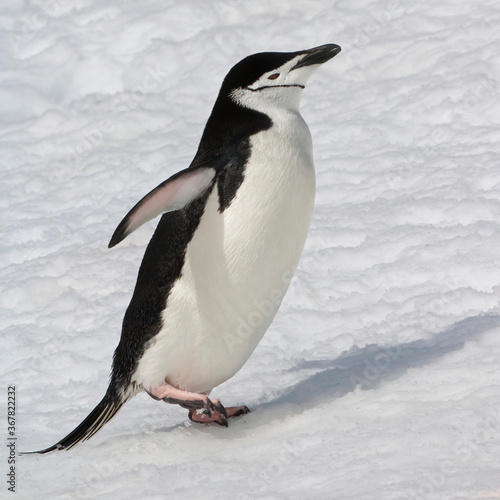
(232, 231)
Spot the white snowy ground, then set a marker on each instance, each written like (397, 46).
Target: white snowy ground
(379, 378)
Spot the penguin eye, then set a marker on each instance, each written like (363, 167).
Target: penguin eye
(273, 76)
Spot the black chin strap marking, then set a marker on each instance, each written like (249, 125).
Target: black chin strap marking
(275, 86)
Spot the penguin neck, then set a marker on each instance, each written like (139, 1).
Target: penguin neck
(228, 126)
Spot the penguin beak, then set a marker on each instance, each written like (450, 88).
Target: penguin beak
(318, 55)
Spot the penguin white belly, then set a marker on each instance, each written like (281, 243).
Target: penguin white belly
(238, 266)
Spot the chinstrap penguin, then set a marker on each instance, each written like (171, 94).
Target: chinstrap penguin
(218, 265)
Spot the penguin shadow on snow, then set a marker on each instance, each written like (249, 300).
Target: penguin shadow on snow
(370, 366)
(366, 367)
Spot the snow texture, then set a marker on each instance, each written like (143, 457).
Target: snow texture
(379, 377)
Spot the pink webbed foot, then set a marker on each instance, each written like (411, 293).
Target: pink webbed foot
(203, 417)
(201, 408)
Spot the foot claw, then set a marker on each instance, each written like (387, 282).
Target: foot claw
(222, 421)
(237, 411)
(219, 407)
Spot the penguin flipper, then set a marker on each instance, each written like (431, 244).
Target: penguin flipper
(98, 417)
(173, 194)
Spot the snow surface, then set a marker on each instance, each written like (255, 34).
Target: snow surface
(379, 377)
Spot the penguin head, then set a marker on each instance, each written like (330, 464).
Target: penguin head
(274, 79)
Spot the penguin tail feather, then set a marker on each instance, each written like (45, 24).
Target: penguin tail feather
(108, 407)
